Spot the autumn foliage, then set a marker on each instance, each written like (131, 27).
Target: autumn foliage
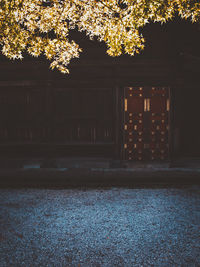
(43, 26)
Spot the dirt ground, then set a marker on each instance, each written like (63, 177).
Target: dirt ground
(100, 227)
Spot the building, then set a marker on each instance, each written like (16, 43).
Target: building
(142, 108)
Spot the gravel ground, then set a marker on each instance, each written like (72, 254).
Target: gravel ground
(100, 227)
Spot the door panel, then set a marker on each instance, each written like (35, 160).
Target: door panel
(146, 120)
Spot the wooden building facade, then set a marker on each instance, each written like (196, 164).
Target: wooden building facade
(129, 109)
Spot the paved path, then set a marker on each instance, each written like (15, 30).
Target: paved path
(100, 227)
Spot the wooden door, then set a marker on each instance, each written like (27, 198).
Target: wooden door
(146, 123)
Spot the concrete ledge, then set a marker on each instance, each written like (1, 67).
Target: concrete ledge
(49, 177)
(80, 163)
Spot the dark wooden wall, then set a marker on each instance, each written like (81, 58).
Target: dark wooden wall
(47, 113)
